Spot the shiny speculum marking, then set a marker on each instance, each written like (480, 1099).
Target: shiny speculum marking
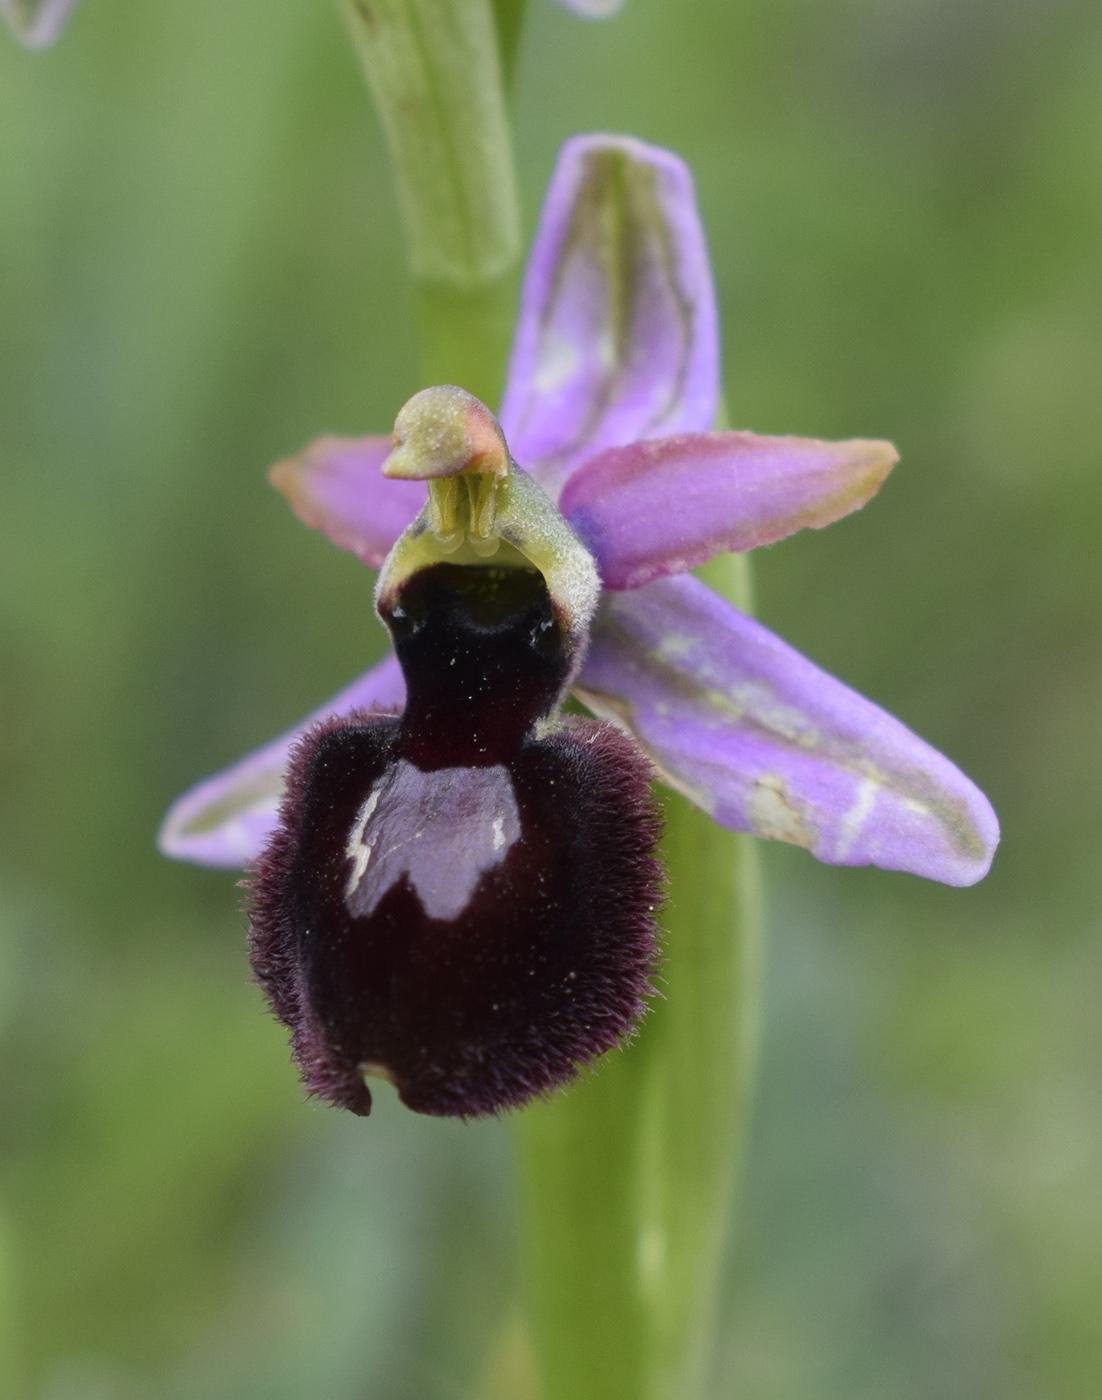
(441, 831)
(461, 900)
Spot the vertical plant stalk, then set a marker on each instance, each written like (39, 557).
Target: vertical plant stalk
(627, 1182)
(434, 69)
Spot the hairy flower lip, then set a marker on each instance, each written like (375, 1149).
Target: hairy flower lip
(472, 978)
(612, 390)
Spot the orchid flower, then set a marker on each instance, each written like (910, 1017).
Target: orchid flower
(613, 385)
(612, 390)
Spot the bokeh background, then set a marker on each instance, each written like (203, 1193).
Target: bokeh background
(200, 269)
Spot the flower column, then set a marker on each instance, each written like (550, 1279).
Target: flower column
(625, 1182)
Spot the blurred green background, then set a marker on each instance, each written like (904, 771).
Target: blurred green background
(200, 269)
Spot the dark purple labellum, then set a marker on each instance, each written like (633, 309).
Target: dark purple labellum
(452, 902)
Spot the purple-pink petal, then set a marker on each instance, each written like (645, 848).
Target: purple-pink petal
(335, 486)
(656, 508)
(225, 820)
(766, 742)
(617, 337)
(36, 23)
(593, 9)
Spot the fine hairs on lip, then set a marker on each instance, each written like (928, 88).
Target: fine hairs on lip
(545, 969)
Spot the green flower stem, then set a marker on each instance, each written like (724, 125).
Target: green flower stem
(464, 334)
(627, 1182)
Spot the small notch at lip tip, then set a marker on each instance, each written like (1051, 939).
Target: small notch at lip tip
(375, 1069)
